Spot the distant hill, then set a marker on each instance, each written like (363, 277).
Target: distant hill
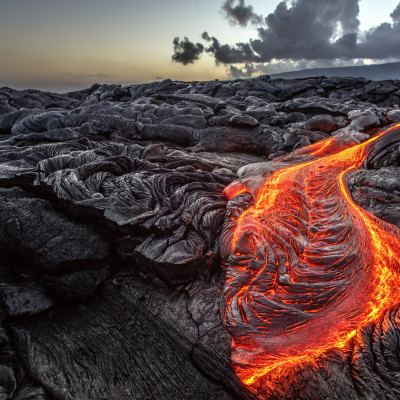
(375, 72)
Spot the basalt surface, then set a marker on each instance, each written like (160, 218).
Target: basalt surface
(117, 212)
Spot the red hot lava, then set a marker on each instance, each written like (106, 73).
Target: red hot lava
(306, 266)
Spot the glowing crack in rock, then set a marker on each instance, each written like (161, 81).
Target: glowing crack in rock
(306, 267)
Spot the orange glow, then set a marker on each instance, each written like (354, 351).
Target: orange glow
(234, 190)
(307, 267)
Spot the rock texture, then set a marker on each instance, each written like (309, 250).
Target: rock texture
(111, 212)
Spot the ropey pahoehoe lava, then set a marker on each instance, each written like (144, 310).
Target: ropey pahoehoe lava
(306, 267)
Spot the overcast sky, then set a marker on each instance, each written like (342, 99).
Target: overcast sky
(66, 44)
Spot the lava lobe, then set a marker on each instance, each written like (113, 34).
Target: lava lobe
(306, 267)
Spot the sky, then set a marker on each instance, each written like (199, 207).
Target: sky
(64, 45)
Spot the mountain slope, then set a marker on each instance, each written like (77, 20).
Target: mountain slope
(375, 72)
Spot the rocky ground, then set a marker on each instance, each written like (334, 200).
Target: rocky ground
(111, 209)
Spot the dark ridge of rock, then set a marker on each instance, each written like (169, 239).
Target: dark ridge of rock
(378, 191)
(56, 246)
(325, 123)
(393, 116)
(20, 300)
(208, 101)
(178, 134)
(193, 121)
(379, 342)
(243, 120)
(31, 227)
(111, 211)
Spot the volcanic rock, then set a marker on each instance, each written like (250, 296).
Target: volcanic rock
(325, 123)
(112, 206)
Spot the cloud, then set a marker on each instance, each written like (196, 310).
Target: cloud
(226, 54)
(395, 15)
(246, 72)
(186, 52)
(306, 30)
(240, 14)
(382, 41)
(311, 30)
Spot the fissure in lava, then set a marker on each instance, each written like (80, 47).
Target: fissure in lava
(306, 267)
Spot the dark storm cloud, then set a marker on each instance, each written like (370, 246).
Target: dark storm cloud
(312, 30)
(226, 54)
(240, 14)
(382, 41)
(185, 51)
(306, 29)
(395, 15)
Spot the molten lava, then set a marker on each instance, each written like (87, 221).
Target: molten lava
(306, 266)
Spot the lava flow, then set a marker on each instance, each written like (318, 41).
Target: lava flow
(306, 266)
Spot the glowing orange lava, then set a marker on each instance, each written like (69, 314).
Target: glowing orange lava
(306, 266)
